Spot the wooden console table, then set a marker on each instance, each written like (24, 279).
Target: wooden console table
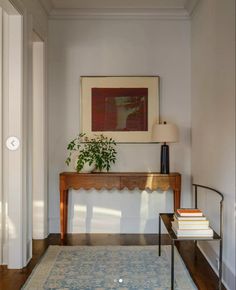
(118, 180)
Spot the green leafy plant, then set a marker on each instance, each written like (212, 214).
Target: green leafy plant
(99, 150)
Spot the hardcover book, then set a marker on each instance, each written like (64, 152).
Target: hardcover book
(194, 220)
(189, 212)
(190, 218)
(190, 225)
(193, 232)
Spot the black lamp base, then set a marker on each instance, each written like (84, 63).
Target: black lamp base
(165, 159)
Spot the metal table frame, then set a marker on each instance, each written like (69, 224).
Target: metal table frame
(168, 217)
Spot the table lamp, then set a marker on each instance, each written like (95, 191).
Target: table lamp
(165, 133)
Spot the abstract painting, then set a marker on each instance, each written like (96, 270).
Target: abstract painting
(123, 108)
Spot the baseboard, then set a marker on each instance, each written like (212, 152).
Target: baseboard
(40, 236)
(212, 257)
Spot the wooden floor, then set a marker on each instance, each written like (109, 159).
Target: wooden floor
(202, 274)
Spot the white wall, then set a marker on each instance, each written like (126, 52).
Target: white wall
(213, 117)
(40, 194)
(118, 47)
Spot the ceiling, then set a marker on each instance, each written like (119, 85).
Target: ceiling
(58, 7)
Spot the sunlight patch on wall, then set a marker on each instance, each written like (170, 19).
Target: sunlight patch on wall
(38, 219)
(80, 208)
(94, 219)
(107, 211)
(11, 229)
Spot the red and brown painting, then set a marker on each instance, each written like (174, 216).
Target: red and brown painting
(119, 109)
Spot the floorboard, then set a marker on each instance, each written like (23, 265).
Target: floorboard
(199, 269)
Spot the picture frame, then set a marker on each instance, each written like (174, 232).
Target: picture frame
(123, 108)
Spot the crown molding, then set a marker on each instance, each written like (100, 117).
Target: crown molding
(183, 11)
(47, 6)
(121, 13)
(190, 5)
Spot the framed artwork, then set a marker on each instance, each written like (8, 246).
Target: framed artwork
(124, 108)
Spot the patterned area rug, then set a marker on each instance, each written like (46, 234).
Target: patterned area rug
(108, 267)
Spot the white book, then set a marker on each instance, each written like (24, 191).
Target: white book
(191, 221)
(189, 225)
(191, 218)
(193, 232)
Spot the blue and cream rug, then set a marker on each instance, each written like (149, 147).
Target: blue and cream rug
(108, 267)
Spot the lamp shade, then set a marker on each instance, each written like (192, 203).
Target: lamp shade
(165, 133)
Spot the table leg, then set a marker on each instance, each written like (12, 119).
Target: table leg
(176, 193)
(172, 264)
(159, 235)
(220, 265)
(63, 211)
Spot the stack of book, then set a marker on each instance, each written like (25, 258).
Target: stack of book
(191, 223)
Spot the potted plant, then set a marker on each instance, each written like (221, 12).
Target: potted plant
(93, 153)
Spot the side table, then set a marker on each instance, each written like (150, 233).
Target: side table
(167, 218)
